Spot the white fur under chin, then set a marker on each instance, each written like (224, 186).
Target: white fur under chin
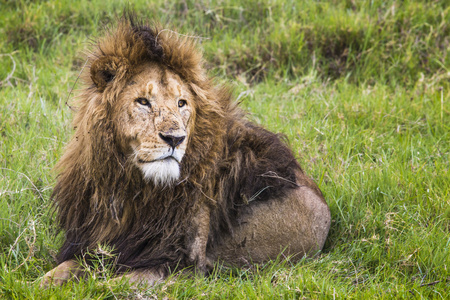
(161, 172)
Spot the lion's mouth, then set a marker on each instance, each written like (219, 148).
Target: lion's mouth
(141, 161)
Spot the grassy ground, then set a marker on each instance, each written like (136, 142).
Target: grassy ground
(360, 88)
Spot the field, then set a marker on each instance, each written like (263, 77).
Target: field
(361, 89)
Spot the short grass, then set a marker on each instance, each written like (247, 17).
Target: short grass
(360, 88)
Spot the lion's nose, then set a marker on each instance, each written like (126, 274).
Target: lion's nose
(172, 140)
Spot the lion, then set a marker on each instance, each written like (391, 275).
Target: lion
(165, 169)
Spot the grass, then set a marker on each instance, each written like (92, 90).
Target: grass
(360, 88)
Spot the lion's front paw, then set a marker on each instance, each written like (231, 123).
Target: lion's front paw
(61, 274)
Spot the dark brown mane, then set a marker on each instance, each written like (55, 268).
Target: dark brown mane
(101, 198)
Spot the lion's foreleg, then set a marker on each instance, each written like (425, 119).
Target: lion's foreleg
(199, 239)
(62, 273)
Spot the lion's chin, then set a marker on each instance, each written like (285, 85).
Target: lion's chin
(162, 172)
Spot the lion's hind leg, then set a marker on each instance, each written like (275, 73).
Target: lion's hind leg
(294, 225)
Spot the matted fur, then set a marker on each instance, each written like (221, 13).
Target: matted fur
(230, 163)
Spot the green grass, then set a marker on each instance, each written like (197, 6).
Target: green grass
(360, 88)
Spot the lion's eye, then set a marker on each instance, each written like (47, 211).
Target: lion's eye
(143, 101)
(181, 103)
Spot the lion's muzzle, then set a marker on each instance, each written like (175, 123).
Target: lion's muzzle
(160, 161)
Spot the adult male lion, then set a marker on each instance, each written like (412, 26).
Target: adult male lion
(164, 168)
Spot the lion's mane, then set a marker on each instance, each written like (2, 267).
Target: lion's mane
(101, 198)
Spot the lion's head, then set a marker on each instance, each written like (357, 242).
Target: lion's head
(154, 115)
(148, 106)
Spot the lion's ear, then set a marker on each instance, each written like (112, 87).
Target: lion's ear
(104, 70)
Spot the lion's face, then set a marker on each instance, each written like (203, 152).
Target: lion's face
(154, 115)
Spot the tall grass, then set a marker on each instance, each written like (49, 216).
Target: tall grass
(360, 88)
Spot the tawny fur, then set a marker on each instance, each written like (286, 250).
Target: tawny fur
(231, 168)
